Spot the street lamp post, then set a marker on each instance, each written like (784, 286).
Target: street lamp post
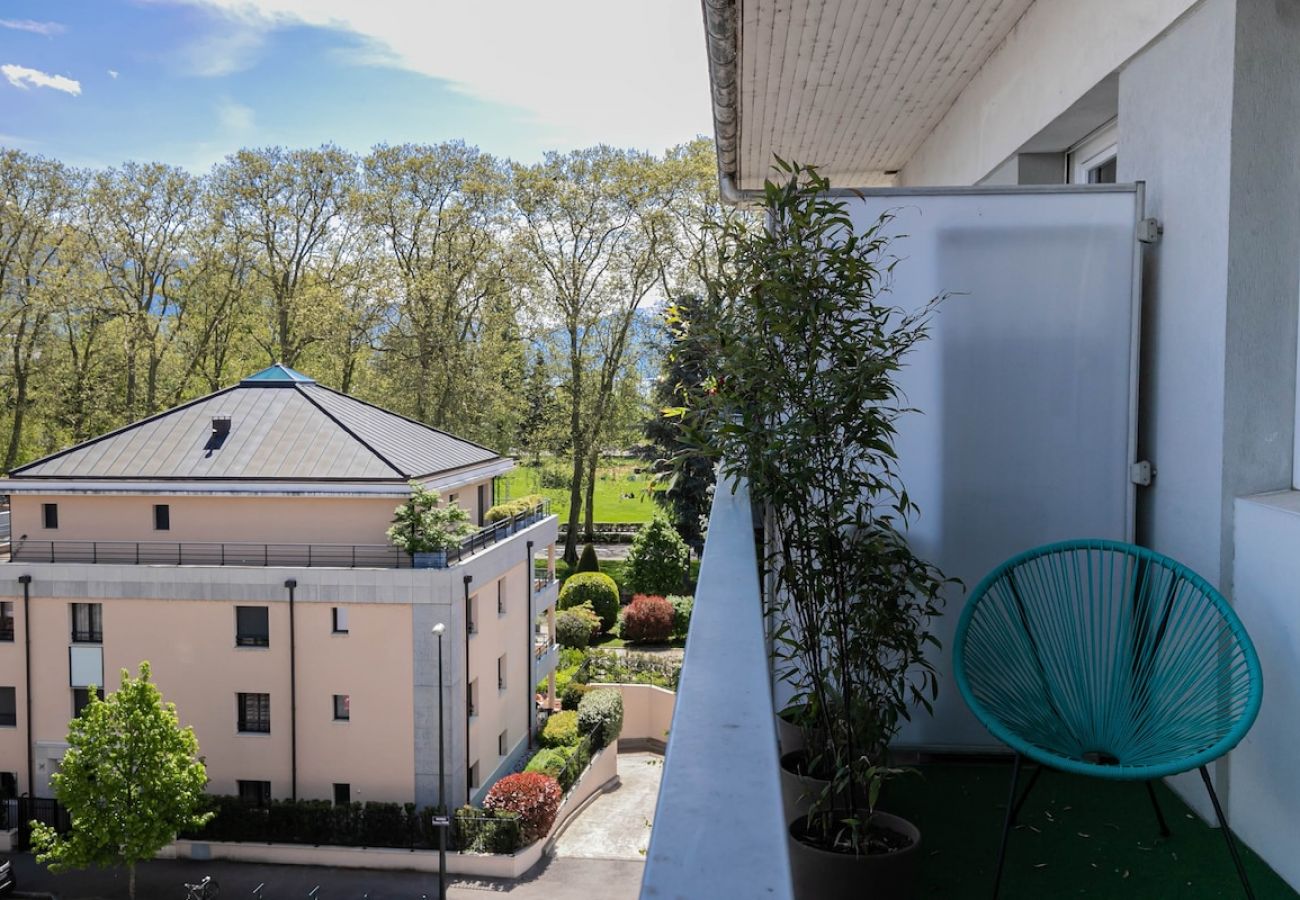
(442, 778)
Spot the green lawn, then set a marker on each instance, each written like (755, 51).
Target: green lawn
(615, 480)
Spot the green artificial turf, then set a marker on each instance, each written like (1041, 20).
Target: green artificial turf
(1076, 837)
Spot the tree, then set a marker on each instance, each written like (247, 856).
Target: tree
(657, 559)
(131, 781)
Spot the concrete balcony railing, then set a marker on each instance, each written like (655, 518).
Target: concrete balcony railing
(545, 594)
(546, 656)
(719, 828)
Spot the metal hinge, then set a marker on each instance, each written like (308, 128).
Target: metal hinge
(1142, 473)
(1149, 230)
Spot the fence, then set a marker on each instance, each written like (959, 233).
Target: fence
(19, 812)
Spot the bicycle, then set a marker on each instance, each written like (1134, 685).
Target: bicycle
(207, 889)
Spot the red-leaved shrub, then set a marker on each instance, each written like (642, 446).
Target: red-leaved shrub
(536, 797)
(648, 619)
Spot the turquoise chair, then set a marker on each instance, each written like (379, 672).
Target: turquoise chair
(1105, 659)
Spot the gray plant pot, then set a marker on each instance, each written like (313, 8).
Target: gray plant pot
(434, 559)
(797, 791)
(822, 875)
(789, 737)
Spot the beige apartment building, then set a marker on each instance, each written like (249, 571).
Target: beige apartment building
(237, 543)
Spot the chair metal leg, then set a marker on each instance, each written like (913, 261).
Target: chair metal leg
(1012, 808)
(1155, 804)
(1227, 835)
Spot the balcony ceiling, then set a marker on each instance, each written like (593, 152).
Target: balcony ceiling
(852, 86)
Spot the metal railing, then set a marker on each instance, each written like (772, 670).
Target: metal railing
(542, 582)
(722, 752)
(204, 553)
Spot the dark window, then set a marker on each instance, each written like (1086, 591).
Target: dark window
(6, 620)
(473, 697)
(473, 775)
(482, 503)
(501, 744)
(8, 706)
(162, 517)
(340, 617)
(501, 596)
(255, 713)
(252, 626)
(342, 794)
(1105, 173)
(501, 672)
(257, 793)
(50, 515)
(342, 707)
(471, 614)
(8, 785)
(88, 623)
(81, 699)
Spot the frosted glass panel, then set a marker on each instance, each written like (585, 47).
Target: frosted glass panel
(87, 666)
(1025, 389)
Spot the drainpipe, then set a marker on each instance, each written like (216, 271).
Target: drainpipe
(528, 647)
(467, 579)
(291, 584)
(26, 582)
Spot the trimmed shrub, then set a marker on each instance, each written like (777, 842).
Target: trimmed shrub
(572, 694)
(572, 629)
(511, 508)
(587, 562)
(600, 714)
(561, 730)
(682, 608)
(596, 589)
(549, 761)
(647, 619)
(576, 759)
(488, 831)
(534, 796)
(656, 562)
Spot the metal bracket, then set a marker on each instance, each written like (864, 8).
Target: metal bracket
(1149, 230)
(1142, 473)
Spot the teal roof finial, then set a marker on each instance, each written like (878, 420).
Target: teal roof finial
(276, 375)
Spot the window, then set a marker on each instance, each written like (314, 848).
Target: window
(501, 596)
(451, 499)
(1094, 160)
(482, 503)
(88, 623)
(8, 785)
(8, 706)
(252, 626)
(501, 672)
(473, 697)
(471, 614)
(501, 744)
(342, 707)
(50, 515)
(255, 793)
(6, 620)
(162, 517)
(342, 794)
(81, 699)
(340, 620)
(473, 775)
(255, 713)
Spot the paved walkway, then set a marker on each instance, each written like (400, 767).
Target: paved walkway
(616, 826)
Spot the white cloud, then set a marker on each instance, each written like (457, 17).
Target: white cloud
(49, 29)
(234, 117)
(631, 72)
(23, 77)
(220, 53)
(112, 73)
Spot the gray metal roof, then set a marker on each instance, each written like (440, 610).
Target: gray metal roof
(281, 428)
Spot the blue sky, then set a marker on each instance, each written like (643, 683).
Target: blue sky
(96, 82)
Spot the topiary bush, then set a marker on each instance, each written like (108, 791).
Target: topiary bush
(487, 831)
(534, 796)
(587, 561)
(572, 695)
(596, 589)
(683, 606)
(572, 629)
(561, 730)
(647, 620)
(600, 714)
(657, 560)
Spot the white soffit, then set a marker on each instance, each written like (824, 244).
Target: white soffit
(851, 86)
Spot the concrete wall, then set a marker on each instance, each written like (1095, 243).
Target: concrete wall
(647, 713)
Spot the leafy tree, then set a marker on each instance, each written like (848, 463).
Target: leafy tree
(657, 560)
(423, 525)
(131, 780)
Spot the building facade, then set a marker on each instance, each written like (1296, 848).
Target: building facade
(238, 544)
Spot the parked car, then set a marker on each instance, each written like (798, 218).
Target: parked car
(8, 883)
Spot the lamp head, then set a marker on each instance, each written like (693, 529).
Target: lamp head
(439, 629)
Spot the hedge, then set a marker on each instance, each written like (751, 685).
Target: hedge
(561, 730)
(370, 824)
(600, 714)
(595, 588)
(487, 830)
(512, 508)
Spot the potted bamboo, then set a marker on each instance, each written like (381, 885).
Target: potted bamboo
(426, 529)
(802, 400)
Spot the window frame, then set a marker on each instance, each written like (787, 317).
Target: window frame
(262, 710)
(501, 672)
(162, 517)
(501, 596)
(1098, 148)
(77, 707)
(471, 615)
(503, 742)
(472, 775)
(347, 793)
(50, 513)
(94, 632)
(7, 621)
(258, 786)
(9, 719)
(252, 638)
(471, 697)
(346, 707)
